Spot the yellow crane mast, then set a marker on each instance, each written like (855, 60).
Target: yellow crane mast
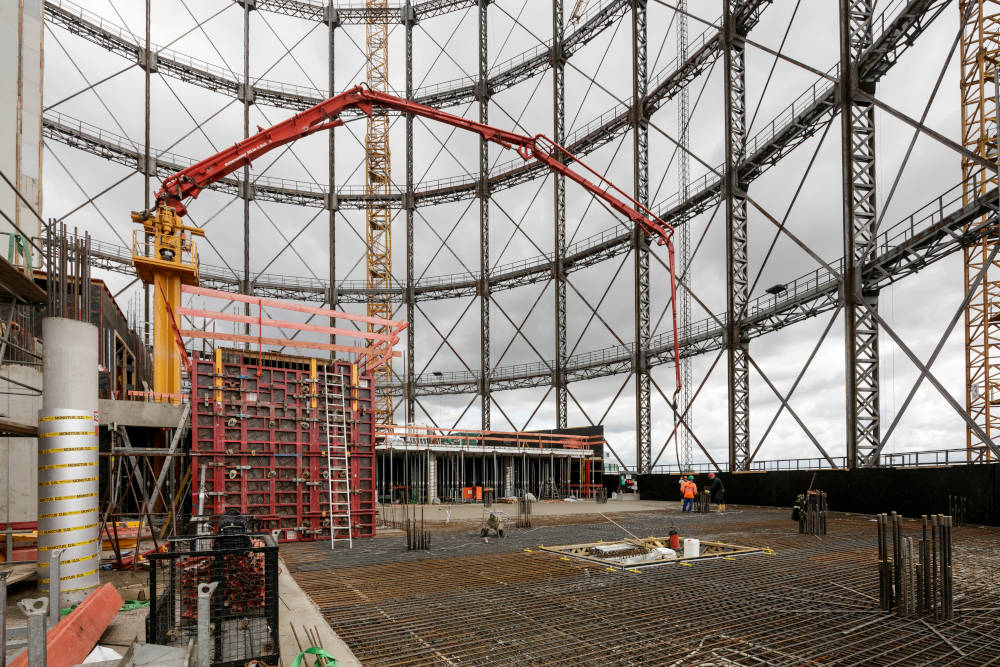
(378, 215)
(980, 60)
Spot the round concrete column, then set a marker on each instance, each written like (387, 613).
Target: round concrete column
(68, 517)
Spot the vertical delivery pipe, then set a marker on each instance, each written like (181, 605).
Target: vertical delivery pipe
(68, 458)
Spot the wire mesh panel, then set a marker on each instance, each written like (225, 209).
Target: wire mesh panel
(244, 606)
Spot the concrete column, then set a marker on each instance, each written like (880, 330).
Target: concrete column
(431, 478)
(68, 457)
(21, 40)
(508, 481)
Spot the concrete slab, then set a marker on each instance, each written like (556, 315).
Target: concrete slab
(140, 413)
(295, 608)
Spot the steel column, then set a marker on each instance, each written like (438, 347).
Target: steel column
(483, 96)
(147, 67)
(683, 178)
(734, 191)
(247, 188)
(858, 169)
(559, 198)
(409, 20)
(640, 241)
(332, 20)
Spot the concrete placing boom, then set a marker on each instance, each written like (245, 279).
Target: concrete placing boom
(165, 225)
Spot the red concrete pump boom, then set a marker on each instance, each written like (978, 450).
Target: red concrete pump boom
(326, 116)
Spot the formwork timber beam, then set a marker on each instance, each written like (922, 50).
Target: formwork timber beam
(72, 639)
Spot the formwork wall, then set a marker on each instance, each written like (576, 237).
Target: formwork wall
(259, 428)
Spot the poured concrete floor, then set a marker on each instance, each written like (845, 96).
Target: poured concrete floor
(813, 600)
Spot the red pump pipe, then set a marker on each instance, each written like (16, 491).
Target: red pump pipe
(326, 116)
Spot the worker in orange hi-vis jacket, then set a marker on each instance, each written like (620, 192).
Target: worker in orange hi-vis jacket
(690, 490)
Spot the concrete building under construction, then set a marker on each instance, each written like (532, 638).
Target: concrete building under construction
(665, 364)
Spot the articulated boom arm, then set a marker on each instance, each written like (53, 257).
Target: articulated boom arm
(326, 115)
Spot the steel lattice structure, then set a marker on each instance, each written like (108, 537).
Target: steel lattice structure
(876, 253)
(980, 50)
(378, 176)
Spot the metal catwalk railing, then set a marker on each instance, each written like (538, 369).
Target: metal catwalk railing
(940, 216)
(917, 459)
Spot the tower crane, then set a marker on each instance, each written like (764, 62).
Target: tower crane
(174, 260)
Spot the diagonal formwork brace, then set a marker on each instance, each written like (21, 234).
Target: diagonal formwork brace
(859, 206)
(734, 192)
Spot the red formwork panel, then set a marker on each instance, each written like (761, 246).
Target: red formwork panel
(259, 430)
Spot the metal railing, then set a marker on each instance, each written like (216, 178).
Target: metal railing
(916, 459)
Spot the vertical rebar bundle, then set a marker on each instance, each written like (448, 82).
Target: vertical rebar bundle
(602, 496)
(918, 580)
(812, 518)
(417, 538)
(67, 264)
(703, 502)
(957, 509)
(523, 512)
(884, 567)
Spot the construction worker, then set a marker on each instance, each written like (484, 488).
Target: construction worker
(717, 490)
(690, 491)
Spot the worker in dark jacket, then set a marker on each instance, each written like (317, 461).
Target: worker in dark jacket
(717, 490)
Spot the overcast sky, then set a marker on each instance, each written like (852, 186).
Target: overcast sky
(192, 122)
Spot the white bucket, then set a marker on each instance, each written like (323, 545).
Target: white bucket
(692, 547)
